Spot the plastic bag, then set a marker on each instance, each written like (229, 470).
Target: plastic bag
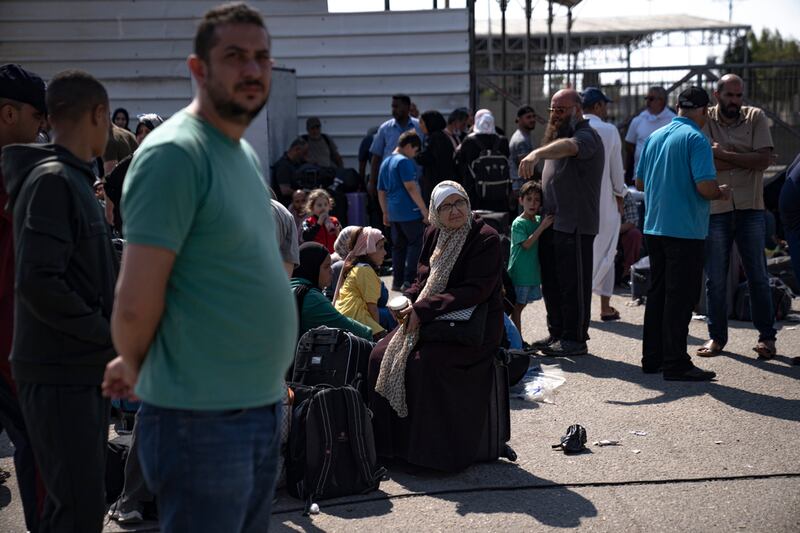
(540, 384)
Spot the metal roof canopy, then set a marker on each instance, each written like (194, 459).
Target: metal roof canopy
(599, 32)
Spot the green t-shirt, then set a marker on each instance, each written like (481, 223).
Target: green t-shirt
(229, 326)
(523, 266)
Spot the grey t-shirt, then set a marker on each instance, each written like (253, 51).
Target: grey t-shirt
(519, 146)
(286, 233)
(571, 185)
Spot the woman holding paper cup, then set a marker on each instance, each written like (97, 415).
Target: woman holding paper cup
(430, 379)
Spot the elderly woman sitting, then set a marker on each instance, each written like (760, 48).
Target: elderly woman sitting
(315, 273)
(430, 397)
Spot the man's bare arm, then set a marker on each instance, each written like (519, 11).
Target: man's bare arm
(560, 149)
(710, 190)
(139, 302)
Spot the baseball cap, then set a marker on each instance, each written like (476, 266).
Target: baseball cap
(151, 120)
(693, 98)
(312, 122)
(524, 110)
(592, 95)
(20, 85)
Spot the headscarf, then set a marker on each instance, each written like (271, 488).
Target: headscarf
(367, 243)
(434, 121)
(484, 121)
(391, 382)
(342, 243)
(312, 255)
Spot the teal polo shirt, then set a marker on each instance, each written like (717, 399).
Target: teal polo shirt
(674, 159)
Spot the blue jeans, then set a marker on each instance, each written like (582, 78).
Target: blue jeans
(211, 470)
(406, 247)
(747, 228)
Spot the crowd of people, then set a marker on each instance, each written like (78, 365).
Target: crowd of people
(198, 313)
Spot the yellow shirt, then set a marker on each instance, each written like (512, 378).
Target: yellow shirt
(362, 286)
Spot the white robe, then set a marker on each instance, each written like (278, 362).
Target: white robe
(613, 185)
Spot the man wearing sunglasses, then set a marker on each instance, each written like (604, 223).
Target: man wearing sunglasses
(655, 115)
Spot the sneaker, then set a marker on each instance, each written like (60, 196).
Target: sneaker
(130, 517)
(562, 348)
(693, 374)
(543, 343)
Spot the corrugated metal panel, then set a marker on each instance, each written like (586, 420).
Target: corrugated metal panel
(347, 64)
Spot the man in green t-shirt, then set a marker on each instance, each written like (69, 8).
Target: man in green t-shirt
(204, 317)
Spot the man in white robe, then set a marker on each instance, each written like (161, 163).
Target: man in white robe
(612, 192)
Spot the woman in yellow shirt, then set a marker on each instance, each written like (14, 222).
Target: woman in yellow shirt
(359, 286)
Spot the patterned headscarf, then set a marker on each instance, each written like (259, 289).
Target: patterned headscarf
(391, 382)
(342, 244)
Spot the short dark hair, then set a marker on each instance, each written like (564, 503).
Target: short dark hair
(660, 91)
(409, 137)
(530, 187)
(72, 93)
(299, 141)
(232, 13)
(403, 98)
(457, 114)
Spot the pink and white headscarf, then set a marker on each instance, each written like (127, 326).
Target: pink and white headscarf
(366, 243)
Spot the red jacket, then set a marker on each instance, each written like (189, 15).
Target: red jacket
(313, 232)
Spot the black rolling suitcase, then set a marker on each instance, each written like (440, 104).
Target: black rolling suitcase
(329, 356)
(497, 433)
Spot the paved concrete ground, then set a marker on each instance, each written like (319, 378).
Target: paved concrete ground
(718, 456)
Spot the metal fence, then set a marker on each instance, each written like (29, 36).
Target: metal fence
(774, 87)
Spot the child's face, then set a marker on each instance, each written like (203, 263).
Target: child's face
(299, 202)
(531, 203)
(379, 254)
(321, 205)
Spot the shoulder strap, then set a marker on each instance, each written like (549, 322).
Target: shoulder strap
(328, 142)
(496, 145)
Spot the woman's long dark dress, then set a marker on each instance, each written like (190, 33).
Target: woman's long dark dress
(447, 385)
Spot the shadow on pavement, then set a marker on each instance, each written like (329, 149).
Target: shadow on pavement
(632, 331)
(552, 506)
(761, 404)
(5, 496)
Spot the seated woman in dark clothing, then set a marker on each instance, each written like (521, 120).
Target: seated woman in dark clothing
(315, 273)
(430, 399)
(482, 139)
(436, 157)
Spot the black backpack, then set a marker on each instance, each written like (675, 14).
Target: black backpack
(331, 356)
(331, 445)
(781, 300)
(491, 178)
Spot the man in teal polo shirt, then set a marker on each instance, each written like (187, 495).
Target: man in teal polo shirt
(204, 317)
(676, 171)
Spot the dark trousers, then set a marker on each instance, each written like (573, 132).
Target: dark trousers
(68, 428)
(676, 276)
(566, 267)
(406, 248)
(31, 490)
(135, 492)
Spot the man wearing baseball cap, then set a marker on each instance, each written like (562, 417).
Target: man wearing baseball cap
(22, 114)
(676, 171)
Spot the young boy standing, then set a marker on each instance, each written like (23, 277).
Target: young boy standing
(523, 266)
(403, 208)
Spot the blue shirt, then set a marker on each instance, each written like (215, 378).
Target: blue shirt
(385, 140)
(674, 159)
(396, 170)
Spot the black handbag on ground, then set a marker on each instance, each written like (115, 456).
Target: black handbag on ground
(465, 326)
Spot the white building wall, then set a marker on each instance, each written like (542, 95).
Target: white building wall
(347, 64)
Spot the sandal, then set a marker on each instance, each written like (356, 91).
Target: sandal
(765, 350)
(710, 349)
(608, 318)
